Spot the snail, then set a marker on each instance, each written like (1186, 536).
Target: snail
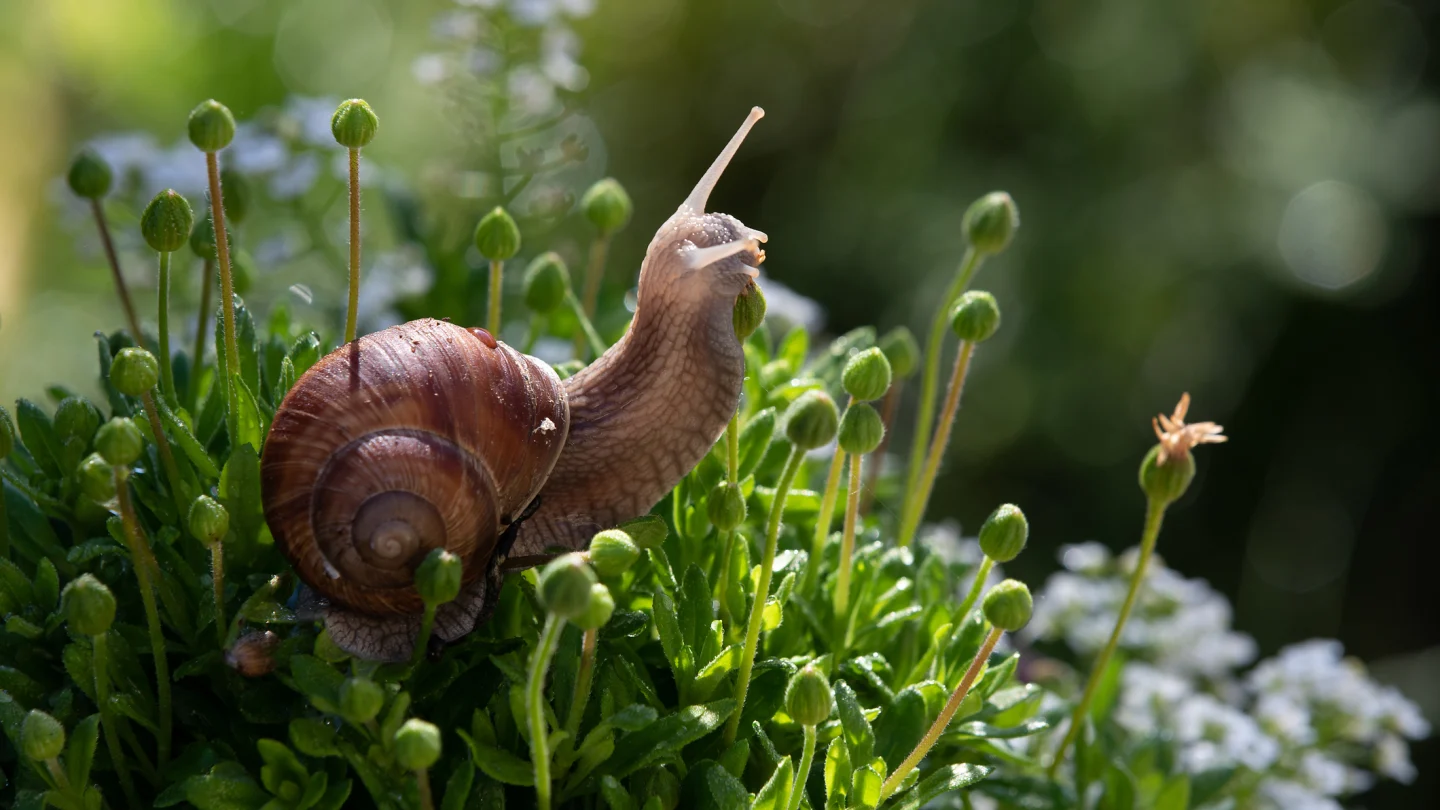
(431, 435)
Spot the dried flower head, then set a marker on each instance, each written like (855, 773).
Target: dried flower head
(1176, 437)
(253, 654)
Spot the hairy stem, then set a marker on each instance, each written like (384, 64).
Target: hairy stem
(227, 299)
(847, 540)
(167, 372)
(217, 575)
(492, 319)
(427, 625)
(762, 592)
(930, 377)
(594, 273)
(824, 519)
(918, 497)
(982, 573)
(352, 309)
(1154, 515)
(120, 288)
(807, 757)
(146, 567)
(946, 714)
(582, 685)
(205, 284)
(732, 447)
(887, 418)
(535, 707)
(422, 776)
(99, 656)
(167, 456)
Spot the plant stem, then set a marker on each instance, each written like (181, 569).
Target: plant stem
(427, 625)
(594, 273)
(535, 708)
(732, 446)
(98, 658)
(195, 359)
(982, 573)
(762, 592)
(1154, 515)
(227, 299)
(162, 444)
(167, 373)
(497, 273)
(917, 498)
(352, 309)
(946, 714)
(145, 564)
(887, 418)
(120, 288)
(847, 540)
(824, 519)
(58, 774)
(930, 378)
(217, 575)
(596, 344)
(582, 685)
(725, 616)
(807, 757)
(422, 776)
(533, 333)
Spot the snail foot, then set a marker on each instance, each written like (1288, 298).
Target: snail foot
(391, 639)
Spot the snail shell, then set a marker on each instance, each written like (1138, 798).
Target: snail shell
(422, 436)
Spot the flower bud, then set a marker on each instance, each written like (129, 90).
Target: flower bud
(438, 577)
(354, 124)
(1008, 605)
(612, 552)
(253, 654)
(565, 586)
(360, 700)
(811, 420)
(867, 375)
(546, 281)
(235, 193)
(990, 222)
(89, 606)
(497, 236)
(726, 506)
(1003, 536)
(97, 479)
(211, 126)
(808, 697)
(134, 371)
(76, 418)
(208, 520)
(42, 738)
(607, 206)
(89, 175)
(7, 434)
(119, 442)
(861, 429)
(166, 222)
(749, 311)
(417, 744)
(601, 608)
(1165, 483)
(975, 317)
(902, 351)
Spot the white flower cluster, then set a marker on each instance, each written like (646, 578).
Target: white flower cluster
(1308, 724)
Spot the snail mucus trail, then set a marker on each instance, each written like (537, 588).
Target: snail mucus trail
(430, 435)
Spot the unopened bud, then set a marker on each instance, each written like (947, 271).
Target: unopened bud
(901, 350)
(607, 206)
(76, 418)
(565, 586)
(119, 442)
(600, 609)
(1008, 605)
(97, 478)
(166, 222)
(360, 700)
(236, 194)
(861, 429)
(208, 520)
(438, 577)
(211, 126)
(749, 311)
(547, 279)
(1165, 483)
(134, 371)
(89, 606)
(612, 552)
(42, 738)
(808, 697)
(1004, 533)
(497, 236)
(990, 222)
(726, 506)
(867, 375)
(812, 420)
(417, 744)
(89, 175)
(354, 124)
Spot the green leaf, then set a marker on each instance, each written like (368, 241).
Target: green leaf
(305, 352)
(615, 795)
(240, 492)
(626, 624)
(313, 737)
(80, 752)
(15, 587)
(672, 640)
(226, 787)
(498, 763)
(335, 797)
(865, 789)
(631, 718)
(47, 585)
(318, 681)
(713, 673)
(768, 680)
(793, 348)
(696, 609)
(1207, 784)
(775, 795)
(667, 736)
(188, 444)
(285, 382)
(755, 439)
(900, 726)
(709, 786)
(838, 773)
(1119, 791)
(457, 788)
(1175, 795)
(859, 736)
(998, 676)
(38, 434)
(250, 430)
(943, 780)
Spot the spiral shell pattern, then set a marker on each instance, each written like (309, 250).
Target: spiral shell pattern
(421, 436)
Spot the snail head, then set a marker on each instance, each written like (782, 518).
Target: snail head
(706, 254)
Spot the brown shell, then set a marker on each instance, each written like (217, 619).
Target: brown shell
(421, 436)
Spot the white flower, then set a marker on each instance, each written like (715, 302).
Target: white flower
(1323, 774)
(1282, 794)
(1285, 717)
(430, 68)
(789, 307)
(1148, 697)
(1213, 734)
(456, 25)
(1392, 759)
(530, 91)
(1085, 558)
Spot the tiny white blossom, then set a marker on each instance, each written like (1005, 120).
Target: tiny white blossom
(1392, 759)
(530, 91)
(1213, 734)
(430, 68)
(1281, 794)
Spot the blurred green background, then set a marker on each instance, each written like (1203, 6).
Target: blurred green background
(1229, 197)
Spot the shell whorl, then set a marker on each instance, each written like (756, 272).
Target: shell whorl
(421, 436)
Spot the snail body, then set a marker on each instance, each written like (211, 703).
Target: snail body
(430, 435)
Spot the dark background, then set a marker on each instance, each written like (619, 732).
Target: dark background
(1232, 198)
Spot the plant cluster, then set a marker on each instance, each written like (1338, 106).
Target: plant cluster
(756, 643)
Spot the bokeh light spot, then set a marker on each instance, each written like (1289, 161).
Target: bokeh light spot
(1332, 235)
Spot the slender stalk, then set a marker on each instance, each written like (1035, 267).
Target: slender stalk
(352, 309)
(807, 757)
(724, 589)
(982, 573)
(195, 358)
(497, 275)
(217, 576)
(1154, 515)
(594, 273)
(427, 625)
(762, 592)
(162, 444)
(582, 684)
(422, 778)
(58, 774)
(120, 288)
(145, 567)
(167, 372)
(535, 709)
(532, 334)
(847, 539)
(946, 714)
(732, 447)
(227, 298)
(98, 657)
(887, 418)
(919, 496)
(930, 377)
(824, 519)
(588, 329)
